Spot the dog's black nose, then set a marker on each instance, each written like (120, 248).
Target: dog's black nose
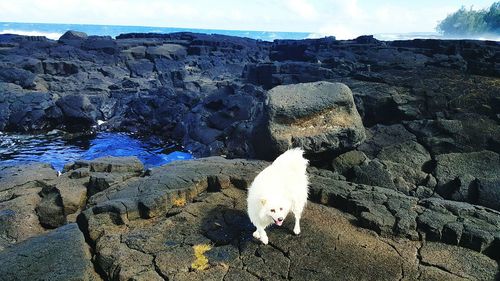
(280, 219)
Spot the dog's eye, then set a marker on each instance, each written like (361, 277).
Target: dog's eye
(273, 210)
(281, 209)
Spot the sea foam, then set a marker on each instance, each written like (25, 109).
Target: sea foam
(50, 35)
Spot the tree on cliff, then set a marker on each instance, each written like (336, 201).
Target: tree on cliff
(472, 22)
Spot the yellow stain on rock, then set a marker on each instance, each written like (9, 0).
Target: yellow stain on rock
(201, 261)
(179, 202)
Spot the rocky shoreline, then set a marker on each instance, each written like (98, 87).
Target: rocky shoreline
(145, 226)
(403, 137)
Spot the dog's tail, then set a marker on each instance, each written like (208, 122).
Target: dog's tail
(292, 160)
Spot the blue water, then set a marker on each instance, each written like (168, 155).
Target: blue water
(58, 150)
(54, 31)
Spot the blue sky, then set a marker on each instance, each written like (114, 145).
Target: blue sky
(343, 18)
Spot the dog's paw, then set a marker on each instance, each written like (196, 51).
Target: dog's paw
(264, 240)
(296, 230)
(256, 235)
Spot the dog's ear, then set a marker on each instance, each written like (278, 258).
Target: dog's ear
(263, 201)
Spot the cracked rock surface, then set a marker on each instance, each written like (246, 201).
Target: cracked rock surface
(187, 221)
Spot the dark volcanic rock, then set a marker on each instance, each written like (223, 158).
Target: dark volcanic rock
(165, 239)
(17, 76)
(344, 163)
(373, 173)
(160, 83)
(431, 109)
(409, 153)
(19, 188)
(460, 176)
(28, 112)
(187, 220)
(58, 255)
(380, 136)
(33, 198)
(488, 193)
(470, 133)
(78, 111)
(73, 35)
(318, 117)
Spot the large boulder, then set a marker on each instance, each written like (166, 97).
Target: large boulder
(319, 117)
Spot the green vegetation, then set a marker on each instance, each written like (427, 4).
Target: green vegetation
(472, 22)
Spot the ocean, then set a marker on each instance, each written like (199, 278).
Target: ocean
(54, 31)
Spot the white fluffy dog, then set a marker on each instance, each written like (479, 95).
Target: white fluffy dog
(278, 189)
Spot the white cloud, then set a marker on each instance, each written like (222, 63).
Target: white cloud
(342, 18)
(302, 8)
(340, 32)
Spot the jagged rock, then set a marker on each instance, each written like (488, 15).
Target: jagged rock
(165, 246)
(141, 68)
(73, 35)
(319, 117)
(110, 164)
(73, 194)
(29, 111)
(19, 188)
(381, 103)
(103, 44)
(138, 227)
(344, 163)
(390, 175)
(137, 52)
(407, 178)
(50, 210)
(165, 189)
(489, 193)
(270, 75)
(154, 83)
(373, 173)
(409, 153)
(169, 51)
(380, 136)
(458, 175)
(17, 76)
(457, 261)
(61, 254)
(470, 134)
(59, 68)
(457, 223)
(78, 111)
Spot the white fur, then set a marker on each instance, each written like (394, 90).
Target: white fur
(280, 188)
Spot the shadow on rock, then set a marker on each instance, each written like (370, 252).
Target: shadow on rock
(227, 226)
